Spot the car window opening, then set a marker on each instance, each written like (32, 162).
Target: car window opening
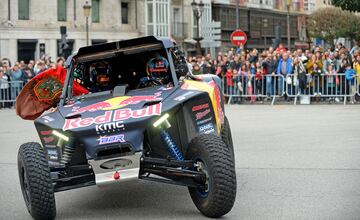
(135, 68)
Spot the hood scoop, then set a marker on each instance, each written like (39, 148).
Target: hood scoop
(149, 103)
(120, 90)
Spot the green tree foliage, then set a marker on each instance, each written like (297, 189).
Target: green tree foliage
(349, 5)
(331, 23)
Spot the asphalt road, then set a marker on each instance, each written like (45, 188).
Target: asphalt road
(292, 162)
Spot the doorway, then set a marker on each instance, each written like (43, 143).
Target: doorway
(26, 50)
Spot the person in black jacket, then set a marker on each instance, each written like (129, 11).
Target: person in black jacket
(207, 67)
(270, 66)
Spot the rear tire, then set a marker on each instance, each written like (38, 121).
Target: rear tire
(226, 137)
(217, 199)
(35, 181)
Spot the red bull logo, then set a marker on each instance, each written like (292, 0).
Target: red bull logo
(116, 103)
(112, 116)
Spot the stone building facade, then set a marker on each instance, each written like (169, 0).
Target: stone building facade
(260, 19)
(24, 35)
(31, 28)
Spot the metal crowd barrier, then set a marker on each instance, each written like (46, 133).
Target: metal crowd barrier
(238, 88)
(9, 91)
(330, 86)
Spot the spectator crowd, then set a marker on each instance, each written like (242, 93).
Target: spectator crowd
(314, 72)
(13, 76)
(246, 72)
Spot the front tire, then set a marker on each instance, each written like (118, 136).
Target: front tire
(215, 160)
(226, 137)
(35, 181)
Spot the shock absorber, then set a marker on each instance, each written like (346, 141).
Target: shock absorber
(67, 153)
(163, 124)
(171, 146)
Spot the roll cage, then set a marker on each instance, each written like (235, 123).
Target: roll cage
(114, 50)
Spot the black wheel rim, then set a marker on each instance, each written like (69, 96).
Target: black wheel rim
(26, 187)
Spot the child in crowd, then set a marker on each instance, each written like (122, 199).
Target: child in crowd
(229, 81)
(316, 72)
(331, 82)
(236, 91)
(350, 78)
(259, 81)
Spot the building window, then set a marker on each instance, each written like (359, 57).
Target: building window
(61, 10)
(124, 13)
(205, 18)
(95, 11)
(157, 17)
(23, 9)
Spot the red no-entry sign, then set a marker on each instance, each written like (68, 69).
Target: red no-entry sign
(238, 38)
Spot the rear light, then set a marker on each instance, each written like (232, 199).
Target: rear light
(116, 176)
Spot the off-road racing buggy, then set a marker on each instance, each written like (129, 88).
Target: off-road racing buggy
(145, 117)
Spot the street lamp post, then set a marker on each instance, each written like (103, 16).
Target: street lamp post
(288, 23)
(265, 25)
(87, 9)
(198, 9)
(237, 14)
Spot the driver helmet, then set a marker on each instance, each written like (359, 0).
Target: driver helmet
(100, 73)
(157, 69)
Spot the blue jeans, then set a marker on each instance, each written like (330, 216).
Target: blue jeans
(280, 85)
(269, 86)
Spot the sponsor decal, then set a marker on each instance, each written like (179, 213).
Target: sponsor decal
(158, 93)
(202, 114)
(183, 96)
(48, 139)
(115, 103)
(112, 126)
(72, 103)
(47, 132)
(116, 164)
(203, 121)
(200, 107)
(48, 119)
(112, 116)
(52, 153)
(111, 139)
(75, 108)
(206, 128)
(215, 96)
(165, 88)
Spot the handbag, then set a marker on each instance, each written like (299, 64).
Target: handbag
(249, 84)
(288, 80)
(296, 81)
(309, 79)
(239, 84)
(337, 80)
